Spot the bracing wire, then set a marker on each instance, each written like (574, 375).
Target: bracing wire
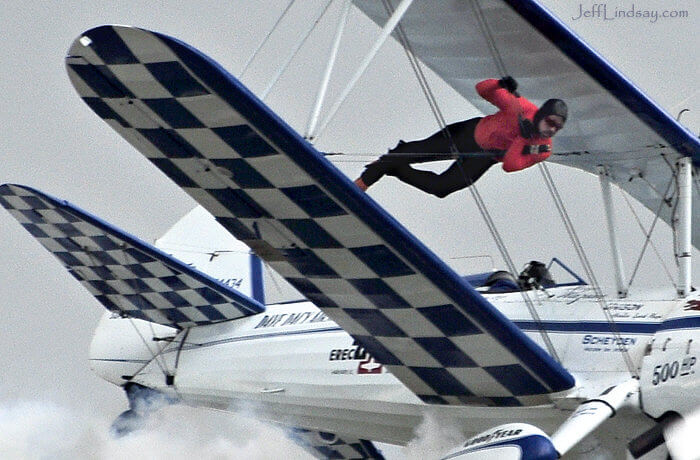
(418, 70)
(669, 200)
(272, 277)
(263, 95)
(488, 35)
(511, 266)
(264, 40)
(195, 248)
(154, 355)
(162, 350)
(648, 237)
(435, 108)
(674, 221)
(185, 333)
(493, 49)
(554, 192)
(501, 68)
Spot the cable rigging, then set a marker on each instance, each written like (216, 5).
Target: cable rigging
(600, 297)
(265, 39)
(437, 113)
(647, 235)
(488, 35)
(293, 54)
(647, 239)
(430, 97)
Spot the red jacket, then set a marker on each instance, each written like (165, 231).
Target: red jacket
(501, 131)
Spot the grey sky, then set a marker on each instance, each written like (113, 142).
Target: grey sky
(52, 141)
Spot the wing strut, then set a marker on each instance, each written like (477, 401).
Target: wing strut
(604, 177)
(386, 31)
(321, 94)
(685, 224)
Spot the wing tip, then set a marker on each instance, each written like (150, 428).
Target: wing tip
(623, 89)
(252, 306)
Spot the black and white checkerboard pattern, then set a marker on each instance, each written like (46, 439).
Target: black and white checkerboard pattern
(274, 192)
(325, 445)
(124, 274)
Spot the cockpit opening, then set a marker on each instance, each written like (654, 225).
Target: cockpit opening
(535, 275)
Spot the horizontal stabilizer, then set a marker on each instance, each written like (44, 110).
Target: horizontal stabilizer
(126, 275)
(272, 190)
(321, 444)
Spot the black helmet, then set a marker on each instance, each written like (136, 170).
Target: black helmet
(551, 107)
(535, 274)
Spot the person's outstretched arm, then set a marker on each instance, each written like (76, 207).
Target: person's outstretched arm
(492, 91)
(515, 159)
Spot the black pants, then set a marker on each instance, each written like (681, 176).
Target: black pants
(463, 172)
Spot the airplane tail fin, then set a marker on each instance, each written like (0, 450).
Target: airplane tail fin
(199, 241)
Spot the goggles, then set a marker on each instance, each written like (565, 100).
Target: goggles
(553, 123)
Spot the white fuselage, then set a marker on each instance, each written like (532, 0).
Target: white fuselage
(293, 365)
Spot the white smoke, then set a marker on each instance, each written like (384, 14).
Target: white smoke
(434, 438)
(33, 430)
(681, 437)
(44, 430)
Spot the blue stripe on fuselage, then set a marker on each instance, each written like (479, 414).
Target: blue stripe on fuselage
(578, 327)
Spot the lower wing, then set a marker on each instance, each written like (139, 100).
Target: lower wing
(272, 190)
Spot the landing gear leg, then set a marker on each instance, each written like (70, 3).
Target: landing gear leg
(142, 402)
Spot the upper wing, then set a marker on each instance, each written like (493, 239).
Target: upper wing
(275, 192)
(611, 122)
(124, 274)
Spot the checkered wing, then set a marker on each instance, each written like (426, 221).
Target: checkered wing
(126, 275)
(272, 190)
(321, 444)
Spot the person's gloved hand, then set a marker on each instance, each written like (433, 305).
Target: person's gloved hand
(531, 149)
(509, 84)
(527, 128)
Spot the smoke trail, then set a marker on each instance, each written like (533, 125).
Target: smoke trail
(41, 430)
(434, 438)
(681, 437)
(36, 430)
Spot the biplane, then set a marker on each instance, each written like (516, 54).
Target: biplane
(526, 365)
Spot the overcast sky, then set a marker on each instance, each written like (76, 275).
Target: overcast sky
(50, 140)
